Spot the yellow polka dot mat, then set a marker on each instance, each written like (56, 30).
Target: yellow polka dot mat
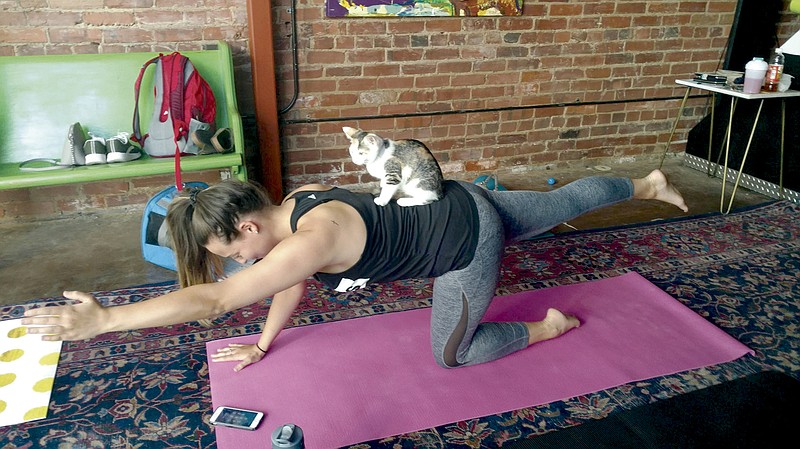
(27, 369)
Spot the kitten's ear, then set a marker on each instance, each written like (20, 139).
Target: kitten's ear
(349, 132)
(373, 140)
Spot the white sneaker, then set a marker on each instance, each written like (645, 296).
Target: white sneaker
(95, 150)
(121, 150)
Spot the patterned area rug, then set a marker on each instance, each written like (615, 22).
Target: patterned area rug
(149, 388)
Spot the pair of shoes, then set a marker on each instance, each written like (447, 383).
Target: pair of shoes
(72, 152)
(113, 149)
(78, 150)
(218, 142)
(120, 149)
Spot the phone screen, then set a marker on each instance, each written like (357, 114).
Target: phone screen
(234, 417)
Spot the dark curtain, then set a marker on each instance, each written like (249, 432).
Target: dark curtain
(754, 32)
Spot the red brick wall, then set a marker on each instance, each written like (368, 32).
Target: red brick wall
(568, 82)
(71, 199)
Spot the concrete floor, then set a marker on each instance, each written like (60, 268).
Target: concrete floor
(102, 251)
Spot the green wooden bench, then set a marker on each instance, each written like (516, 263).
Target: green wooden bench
(41, 96)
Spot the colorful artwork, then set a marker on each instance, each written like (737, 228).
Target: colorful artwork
(422, 8)
(27, 369)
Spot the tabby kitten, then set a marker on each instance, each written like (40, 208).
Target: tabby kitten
(405, 167)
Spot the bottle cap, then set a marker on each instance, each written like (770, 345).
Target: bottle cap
(757, 64)
(288, 436)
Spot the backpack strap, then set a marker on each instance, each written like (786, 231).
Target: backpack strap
(177, 89)
(178, 177)
(173, 80)
(137, 132)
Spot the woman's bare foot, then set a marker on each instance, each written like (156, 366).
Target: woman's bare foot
(554, 324)
(656, 186)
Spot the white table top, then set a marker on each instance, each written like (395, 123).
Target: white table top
(727, 90)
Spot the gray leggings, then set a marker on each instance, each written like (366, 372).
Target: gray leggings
(460, 298)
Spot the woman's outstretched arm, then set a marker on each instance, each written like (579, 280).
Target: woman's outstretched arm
(289, 263)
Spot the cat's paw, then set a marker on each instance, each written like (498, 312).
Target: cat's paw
(406, 202)
(381, 202)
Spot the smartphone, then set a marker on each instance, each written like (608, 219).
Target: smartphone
(236, 417)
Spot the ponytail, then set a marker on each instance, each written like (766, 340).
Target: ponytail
(195, 264)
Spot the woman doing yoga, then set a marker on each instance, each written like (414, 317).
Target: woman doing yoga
(346, 241)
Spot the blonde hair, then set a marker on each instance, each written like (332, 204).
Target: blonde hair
(197, 214)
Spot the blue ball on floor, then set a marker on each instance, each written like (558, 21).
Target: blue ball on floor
(551, 181)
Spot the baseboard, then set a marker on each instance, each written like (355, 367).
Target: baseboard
(747, 181)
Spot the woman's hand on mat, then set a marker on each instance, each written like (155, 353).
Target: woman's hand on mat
(248, 354)
(73, 322)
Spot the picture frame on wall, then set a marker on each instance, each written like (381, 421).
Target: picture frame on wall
(422, 8)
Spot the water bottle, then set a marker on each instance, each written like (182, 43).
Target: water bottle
(288, 436)
(754, 73)
(774, 71)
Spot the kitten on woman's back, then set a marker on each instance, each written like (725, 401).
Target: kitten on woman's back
(403, 166)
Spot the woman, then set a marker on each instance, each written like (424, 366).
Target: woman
(346, 241)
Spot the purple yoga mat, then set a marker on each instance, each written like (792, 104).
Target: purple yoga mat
(350, 381)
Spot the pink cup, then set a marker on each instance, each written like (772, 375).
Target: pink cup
(753, 80)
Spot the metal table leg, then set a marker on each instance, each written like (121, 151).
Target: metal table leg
(674, 126)
(711, 135)
(717, 165)
(727, 152)
(783, 134)
(744, 158)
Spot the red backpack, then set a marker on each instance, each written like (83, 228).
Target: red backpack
(184, 103)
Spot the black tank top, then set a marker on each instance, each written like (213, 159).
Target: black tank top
(402, 242)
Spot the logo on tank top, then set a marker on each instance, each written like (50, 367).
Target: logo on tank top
(349, 285)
